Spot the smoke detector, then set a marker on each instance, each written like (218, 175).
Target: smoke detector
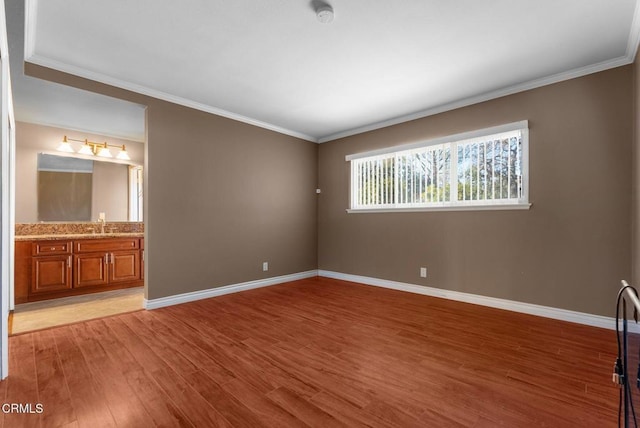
(324, 13)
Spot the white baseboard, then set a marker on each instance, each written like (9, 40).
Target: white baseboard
(227, 289)
(493, 302)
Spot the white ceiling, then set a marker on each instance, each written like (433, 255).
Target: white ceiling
(271, 63)
(47, 103)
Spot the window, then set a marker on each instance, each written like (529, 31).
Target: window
(484, 169)
(135, 193)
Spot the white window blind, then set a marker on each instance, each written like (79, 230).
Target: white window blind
(481, 168)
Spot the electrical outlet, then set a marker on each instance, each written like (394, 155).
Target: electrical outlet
(265, 266)
(423, 272)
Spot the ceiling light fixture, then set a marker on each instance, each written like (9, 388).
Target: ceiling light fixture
(93, 149)
(324, 13)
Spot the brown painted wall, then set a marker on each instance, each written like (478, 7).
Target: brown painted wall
(569, 251)
(221, 197)
(237, 195)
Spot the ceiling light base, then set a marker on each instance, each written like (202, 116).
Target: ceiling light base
(324, 14)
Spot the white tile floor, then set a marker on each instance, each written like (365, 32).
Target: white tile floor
(49, 313)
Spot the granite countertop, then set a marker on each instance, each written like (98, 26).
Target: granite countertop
(59, 237)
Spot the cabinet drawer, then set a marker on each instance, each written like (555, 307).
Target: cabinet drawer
(100, 245)
(49, 248)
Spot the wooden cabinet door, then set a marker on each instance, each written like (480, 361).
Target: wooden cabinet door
(90, 269)
(23, 271)
(51, 273)
(125, 266)
(141, 258)
(142, 264)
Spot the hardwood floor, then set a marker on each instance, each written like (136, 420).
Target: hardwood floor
(319, 353)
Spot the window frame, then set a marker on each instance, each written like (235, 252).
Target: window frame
(454, 140)
(136, 193)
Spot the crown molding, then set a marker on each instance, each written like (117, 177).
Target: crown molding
(630, 54)
(30, 25)
(4, 43)
(30, 56)
(533, 84)
(140, 139)
(31, 9)
(634, 34)
(6, 68)
(140, 89)
(488, 96)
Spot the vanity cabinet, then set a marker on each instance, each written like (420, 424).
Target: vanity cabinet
(51, 269)
(102, 262)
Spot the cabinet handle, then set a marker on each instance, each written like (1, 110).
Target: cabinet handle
(106, 258)
(111, 258)
(69, 261)
(142, 255)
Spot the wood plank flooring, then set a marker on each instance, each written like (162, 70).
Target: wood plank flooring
(317, 353)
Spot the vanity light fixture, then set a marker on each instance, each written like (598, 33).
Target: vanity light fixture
(86, 149)
(123, 155)
(104, 152)
(93, 149)
(65, 146)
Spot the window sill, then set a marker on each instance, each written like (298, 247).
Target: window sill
(486, 207)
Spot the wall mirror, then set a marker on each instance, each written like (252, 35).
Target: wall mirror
(73, 189)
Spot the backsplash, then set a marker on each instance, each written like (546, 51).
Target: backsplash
(77, 228)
